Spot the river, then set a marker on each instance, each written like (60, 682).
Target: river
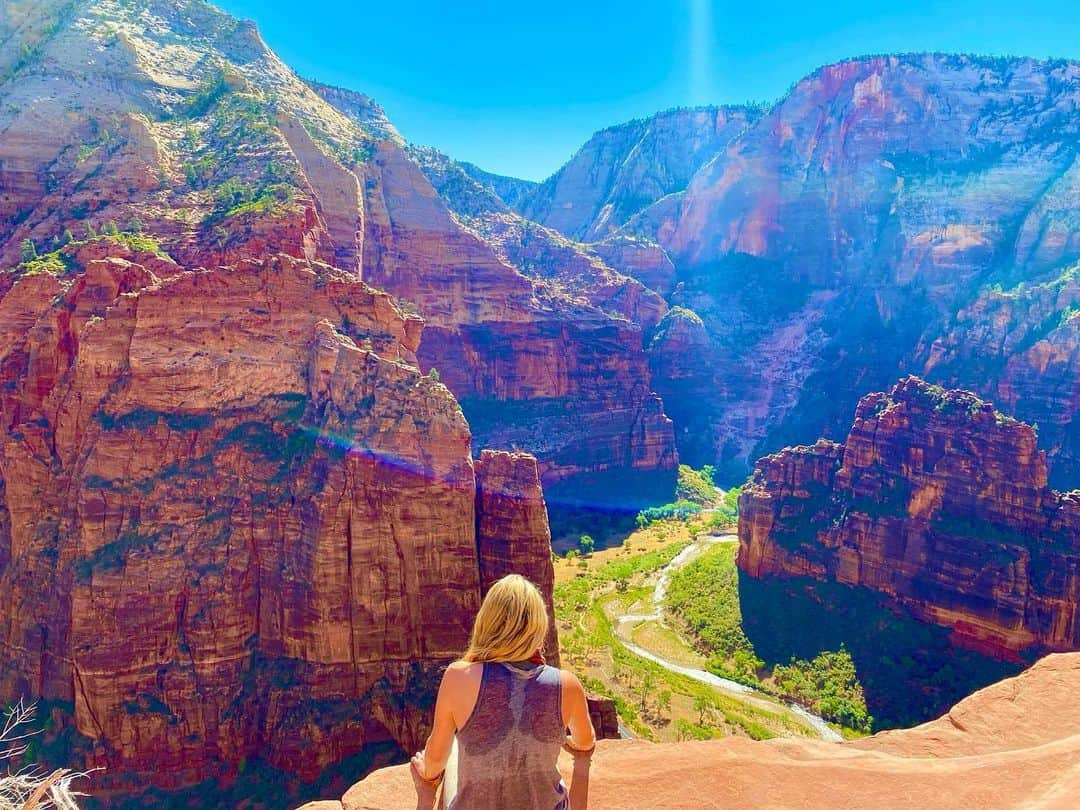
(623, 623)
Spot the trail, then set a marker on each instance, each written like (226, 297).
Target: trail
(623, 623)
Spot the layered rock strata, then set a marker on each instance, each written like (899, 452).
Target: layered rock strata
(173, 123)
(939, 502)
(625, 168)
(237, 524)
(895, 214)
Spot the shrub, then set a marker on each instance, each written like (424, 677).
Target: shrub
(727, 512)
(828, 685)
(695, 485)
(587, 545)
(680, 510)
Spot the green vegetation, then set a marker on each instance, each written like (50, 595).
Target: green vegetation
(60, 260)
(652, 701)
(587, 545)
(696, 486)
(680, 510)
(727, 512)
(574, 596)
(209, 94)
(828, 686)
(28, 250)
(49, 263)
(703, 598)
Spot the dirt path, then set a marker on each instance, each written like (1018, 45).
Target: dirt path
(624, 624)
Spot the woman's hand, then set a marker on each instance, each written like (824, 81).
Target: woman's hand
(419, 768)
(425, 785)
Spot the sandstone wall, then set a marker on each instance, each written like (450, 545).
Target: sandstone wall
(937, 502)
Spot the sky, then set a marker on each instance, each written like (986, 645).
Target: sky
(517, 88)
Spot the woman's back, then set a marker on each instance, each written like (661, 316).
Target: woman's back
(508, 747)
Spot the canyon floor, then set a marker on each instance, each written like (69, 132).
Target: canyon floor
(1015, 744)
(619, 640)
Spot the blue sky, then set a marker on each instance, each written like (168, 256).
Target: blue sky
(517, 87)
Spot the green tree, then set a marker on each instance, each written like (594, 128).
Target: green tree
(703, 704)
(696, 486)
(663, 700)
(828, 685)
(111, 229)
(645, 686)
(587, 545)
(29, 250)
(434, 374)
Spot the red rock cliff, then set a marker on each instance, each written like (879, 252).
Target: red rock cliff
(936, 501)
(512, 534)
(228, 155)
(236, 521)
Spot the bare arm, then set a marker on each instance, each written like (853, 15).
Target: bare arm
(581, 741)
(432, 760)
(576, 713)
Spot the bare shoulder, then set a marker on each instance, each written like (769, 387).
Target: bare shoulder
(462, 672)
(570, 682)
(464, 666)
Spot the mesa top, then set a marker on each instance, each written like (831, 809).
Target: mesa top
(508, 747)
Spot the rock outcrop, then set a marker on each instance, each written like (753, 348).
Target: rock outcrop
(938, 501)
(623, 169)
(1014, 744)
(237, 523)
(174, 121)
(512, 534)
(937, 504)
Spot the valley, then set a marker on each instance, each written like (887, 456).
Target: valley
(282, 394)
(613, 629)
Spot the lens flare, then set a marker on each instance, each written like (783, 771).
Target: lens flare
(700, 51)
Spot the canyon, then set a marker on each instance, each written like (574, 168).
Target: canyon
(282, 394)
(937, 506)
(889, 215)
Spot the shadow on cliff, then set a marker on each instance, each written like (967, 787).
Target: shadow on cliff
(909, 671)
(603, 505)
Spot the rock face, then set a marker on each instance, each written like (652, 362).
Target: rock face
(1014, 744)
(210, 530)
(178, 124)
(237, 522)
(871, 224)
(937, 503)
(598, 429)
(623, 169)
(512, 534)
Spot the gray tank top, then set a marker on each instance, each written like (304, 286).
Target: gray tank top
(509, 746)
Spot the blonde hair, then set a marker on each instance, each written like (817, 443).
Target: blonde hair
(511, 624)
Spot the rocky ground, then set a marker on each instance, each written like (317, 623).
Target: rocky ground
(1014, 744)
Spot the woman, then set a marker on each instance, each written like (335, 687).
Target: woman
(510, 713)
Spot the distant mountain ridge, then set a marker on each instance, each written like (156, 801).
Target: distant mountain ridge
(866, 225)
